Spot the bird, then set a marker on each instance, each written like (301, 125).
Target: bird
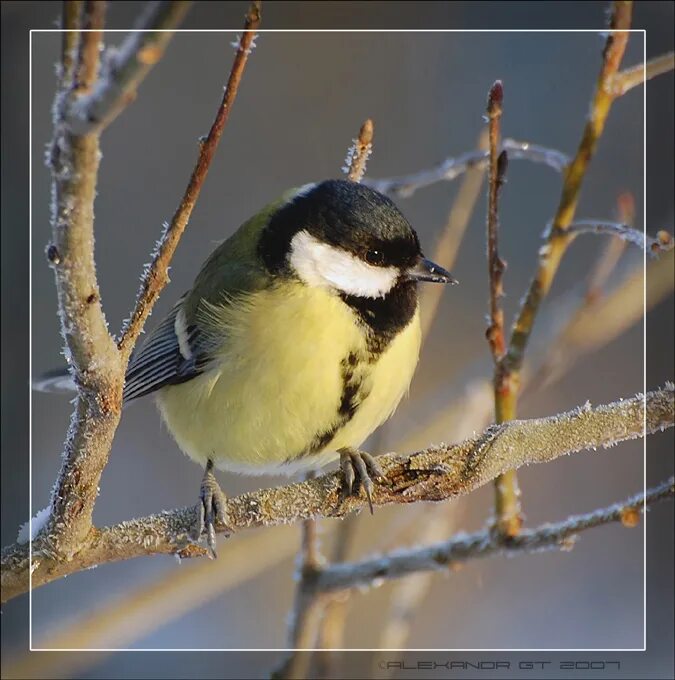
(297, 340)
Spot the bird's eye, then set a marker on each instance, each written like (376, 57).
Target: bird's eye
(374, 257)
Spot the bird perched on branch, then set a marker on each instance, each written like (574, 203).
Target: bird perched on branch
(298, 339)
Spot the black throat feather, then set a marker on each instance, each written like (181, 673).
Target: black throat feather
(383, 318)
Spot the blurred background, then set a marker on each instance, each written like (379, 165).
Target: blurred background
(302, 99)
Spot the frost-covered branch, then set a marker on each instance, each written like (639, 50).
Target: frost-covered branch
(661, 243)
(359, 153)
(96, 364)
(453, 167)
(91, 353)
(124, 68)
(552, 252)
(508, 516)
(199, 580)
(496, 266)
(123, 618)
(156, 274)
(463, 547)
(433, 474)
(636, 75)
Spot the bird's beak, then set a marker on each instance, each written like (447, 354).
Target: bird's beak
(426, 270)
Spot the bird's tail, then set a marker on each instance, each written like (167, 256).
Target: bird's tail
(58, 380)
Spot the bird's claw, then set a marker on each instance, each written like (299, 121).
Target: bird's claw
(211, 509)
(359, 464)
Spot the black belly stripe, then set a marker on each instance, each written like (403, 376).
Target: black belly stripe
(353, 395)
(351, 386)
(382, 320)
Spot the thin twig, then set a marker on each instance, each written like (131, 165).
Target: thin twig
(432, 474)
(507, 379)
(331, 632)
(72, 10)
(612, 252)
(331, 637)
(552, 252)
(124, 68)
(496, 266)
(562, 344)
(97, 365)
(453, 167)
(653, 245)
(460, 548)
(91, 39)
(508, 518)
(331, 627)
(471, 411)
(636, 75)
(156, 274)
(311, 557)
(595, 324)
(359, 153)
(442, 413)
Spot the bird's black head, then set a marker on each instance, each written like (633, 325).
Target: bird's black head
(345, 236)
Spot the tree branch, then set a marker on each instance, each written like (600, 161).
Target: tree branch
(91, 40)
(442, 556)
(433, 474)
(97, 365)
(612, 252)
(451, 168)
(182, 590)
(508, 518)
(662, 243)
(496, 266)
(89, 348)
(70, 23)
(507, 375)
(552, 252)
(561, 347)
(124, 618)
(126, 67)
(636, 75)
(359, 153)
(470, 401)
(156, 274)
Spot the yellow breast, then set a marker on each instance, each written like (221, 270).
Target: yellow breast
(275, 400)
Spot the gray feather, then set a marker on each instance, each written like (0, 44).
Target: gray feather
(160, 362)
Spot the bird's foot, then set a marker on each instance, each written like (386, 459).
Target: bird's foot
(359, 464)
(212, 508)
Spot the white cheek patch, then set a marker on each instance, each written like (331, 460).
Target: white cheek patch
(319, 264)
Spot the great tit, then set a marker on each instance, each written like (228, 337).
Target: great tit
(298, 339)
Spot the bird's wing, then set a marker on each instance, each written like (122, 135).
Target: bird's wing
(177, 350)
(180, 349)
(173, 353)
